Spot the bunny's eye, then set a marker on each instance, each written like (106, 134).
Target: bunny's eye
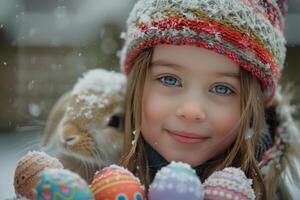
(114, 121)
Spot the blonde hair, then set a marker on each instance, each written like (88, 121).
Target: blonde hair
(240, 154)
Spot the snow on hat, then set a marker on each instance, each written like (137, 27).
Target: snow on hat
(249, 32)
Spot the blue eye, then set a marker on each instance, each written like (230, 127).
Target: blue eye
(169, 81)
(222, 89)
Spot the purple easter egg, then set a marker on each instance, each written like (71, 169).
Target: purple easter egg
(176, 181)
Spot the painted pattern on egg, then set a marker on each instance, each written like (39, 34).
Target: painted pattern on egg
(62, 184)
(115, 183)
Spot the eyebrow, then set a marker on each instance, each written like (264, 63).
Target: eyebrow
(165, 63)
(169, 64)
(229, 74)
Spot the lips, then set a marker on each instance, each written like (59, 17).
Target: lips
(186, 137)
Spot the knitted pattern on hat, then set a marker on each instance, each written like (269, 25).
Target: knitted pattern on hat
(249, 32)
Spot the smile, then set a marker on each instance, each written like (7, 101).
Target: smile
(186, 138)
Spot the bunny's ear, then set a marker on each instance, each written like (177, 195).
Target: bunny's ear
(55, 117)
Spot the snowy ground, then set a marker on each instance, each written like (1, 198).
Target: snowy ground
(14, 145)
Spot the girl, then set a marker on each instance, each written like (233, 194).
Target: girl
(202, 89)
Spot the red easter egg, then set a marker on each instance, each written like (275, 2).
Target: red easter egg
(117, 183)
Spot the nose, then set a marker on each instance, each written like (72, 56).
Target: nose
(191, 111)
(70, 134)
(69, 139)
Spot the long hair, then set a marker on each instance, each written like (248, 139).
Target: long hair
(240, 154)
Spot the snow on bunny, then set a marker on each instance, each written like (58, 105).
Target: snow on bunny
(100, 80)
(94, 89)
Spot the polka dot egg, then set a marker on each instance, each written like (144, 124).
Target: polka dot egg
(176, 181)
(62, 184)
(117, 183)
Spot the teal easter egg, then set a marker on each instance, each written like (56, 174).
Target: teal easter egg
(62, 184)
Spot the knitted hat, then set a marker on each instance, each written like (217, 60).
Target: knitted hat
(249, 32)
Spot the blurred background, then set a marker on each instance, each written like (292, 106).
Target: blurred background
(46, 45)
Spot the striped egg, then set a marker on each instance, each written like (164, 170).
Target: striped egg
(117, 183)
(230, 183)
(27, 172)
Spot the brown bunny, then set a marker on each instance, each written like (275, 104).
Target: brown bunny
(86, 123)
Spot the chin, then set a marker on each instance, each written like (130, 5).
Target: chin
(193, 163)
(190, 161)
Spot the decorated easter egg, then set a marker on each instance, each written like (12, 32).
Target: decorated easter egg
(176, 181)
(60, 184)
(117, 183)
(27, 170)
(230, 183)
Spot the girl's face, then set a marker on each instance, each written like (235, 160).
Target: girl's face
(190, 104)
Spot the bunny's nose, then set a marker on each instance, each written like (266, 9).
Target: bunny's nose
(70, 140)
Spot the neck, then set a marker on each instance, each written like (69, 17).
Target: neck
(156, 162)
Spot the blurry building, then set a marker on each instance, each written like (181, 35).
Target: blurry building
(47, 45)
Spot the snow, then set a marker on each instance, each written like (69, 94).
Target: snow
(35, 156)
(100, 80)
(121, 170)
(31, 85)
(94, 91)
(34, 109)
(249, 134)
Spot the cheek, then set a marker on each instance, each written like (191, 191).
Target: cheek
(150, 115)
(227, 122)
(153, 107)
